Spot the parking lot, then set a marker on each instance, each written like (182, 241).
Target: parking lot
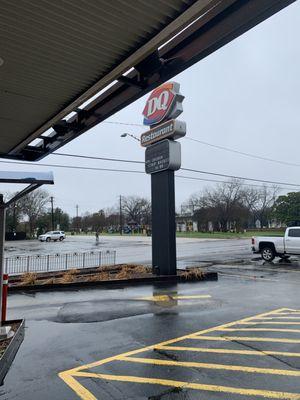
(137, 249)
(232, 339)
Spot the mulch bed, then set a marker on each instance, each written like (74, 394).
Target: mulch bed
(118, 274)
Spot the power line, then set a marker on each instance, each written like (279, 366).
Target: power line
(122, 123)
(220, 147)
(243, 153)
(142, 172)
(184, 169)
(97, 158)
(74, 167)
(239, 177)
(225, 182)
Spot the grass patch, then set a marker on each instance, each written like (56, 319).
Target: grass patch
(202, 235)
(228, 235)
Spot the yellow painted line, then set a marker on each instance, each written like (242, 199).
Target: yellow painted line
(260, 330)
(229, 351)
(84, 394)
(170, 297)
(80, 390)
(197, 386)
(245, 339)
(270, 322)
(268, 318)
(285, 318)
(223, 367)
(176, 340)
(290, 313)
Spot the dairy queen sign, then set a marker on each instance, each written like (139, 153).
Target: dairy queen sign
(164, 103)
(162, 158)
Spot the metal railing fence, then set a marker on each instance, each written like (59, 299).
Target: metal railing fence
(58, 261)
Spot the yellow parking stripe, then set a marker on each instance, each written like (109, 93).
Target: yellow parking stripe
(285, 318)
(267, 318)
(259, 330)
(69, 375)
(192, 364)
(269, 322)
(245, 339)
(176, 340)
(165, 297)
(189, 385)
(289, 313)
(80, 390)
(229, 351)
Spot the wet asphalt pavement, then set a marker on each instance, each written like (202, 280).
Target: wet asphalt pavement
(88, 331)
(138, 249)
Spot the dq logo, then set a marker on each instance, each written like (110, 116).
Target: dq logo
(163, 103)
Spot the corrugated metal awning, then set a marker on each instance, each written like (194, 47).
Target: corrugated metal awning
(56, 54)
(55, 51)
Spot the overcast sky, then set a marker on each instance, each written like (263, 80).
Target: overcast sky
(245, 96)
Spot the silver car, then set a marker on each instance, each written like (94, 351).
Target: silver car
(52, 235)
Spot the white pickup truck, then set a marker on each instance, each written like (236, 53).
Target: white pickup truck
(270, 247)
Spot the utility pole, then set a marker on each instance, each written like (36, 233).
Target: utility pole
(77, 217)
(14, 217)
(52, 213)
(121, 217)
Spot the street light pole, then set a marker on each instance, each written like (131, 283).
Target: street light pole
(129, 134)
(77, 225)
(52, 213)
(121, 217)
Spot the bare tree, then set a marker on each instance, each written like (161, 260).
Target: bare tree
(222, 206)
(260, 202)
(33, 206)
(137, 209)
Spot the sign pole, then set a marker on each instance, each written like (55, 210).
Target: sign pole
(162, 158)
(163, 223)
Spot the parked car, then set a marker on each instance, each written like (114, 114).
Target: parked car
(52, 235)
(270, 247)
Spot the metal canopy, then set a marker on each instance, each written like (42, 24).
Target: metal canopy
(26, 177)
(60, 54)
(34, 179)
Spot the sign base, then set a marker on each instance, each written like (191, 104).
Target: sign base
(163, 223)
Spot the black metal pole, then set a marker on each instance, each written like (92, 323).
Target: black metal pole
(121, 217)
(163, 223)
(52, 213)
(77, 222)
(14, 217)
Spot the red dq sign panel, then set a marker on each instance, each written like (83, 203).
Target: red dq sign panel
(164, 103)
